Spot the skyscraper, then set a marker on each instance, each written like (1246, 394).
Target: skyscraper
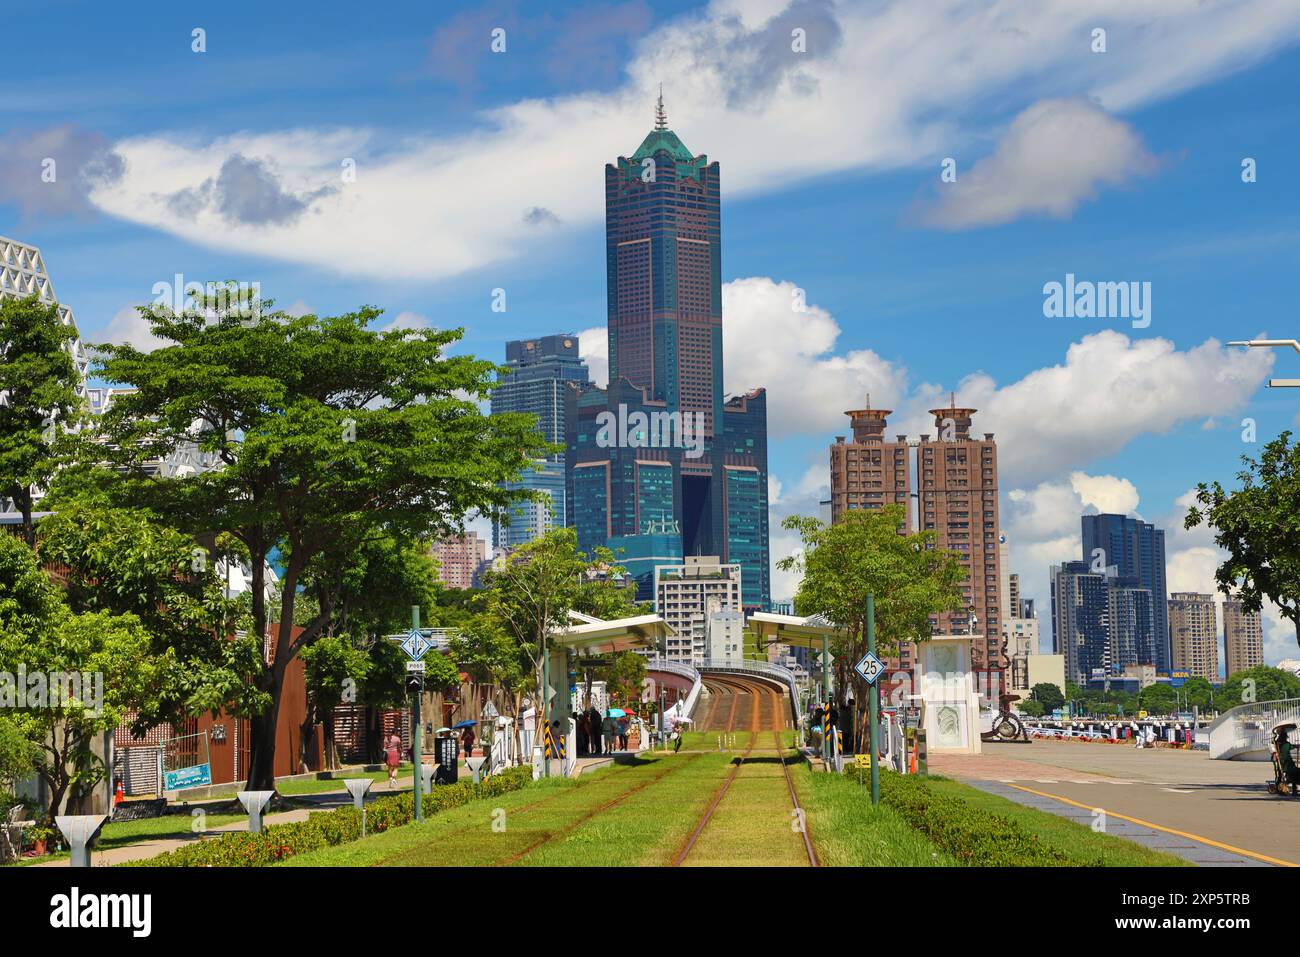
(461, 559)
(661, 442)
(1080, 619)
(1194, 634)
(1136, 549)
(957, 477)
(536, 382)
(1243, 638)
(1131, 614)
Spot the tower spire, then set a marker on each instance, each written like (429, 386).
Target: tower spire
(661, 118)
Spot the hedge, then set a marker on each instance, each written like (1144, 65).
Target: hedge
(328, 828)
(972, 835)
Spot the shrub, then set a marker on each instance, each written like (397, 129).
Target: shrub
(328, 828)
(972, 835)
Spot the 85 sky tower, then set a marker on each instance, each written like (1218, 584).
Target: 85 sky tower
(664, 268)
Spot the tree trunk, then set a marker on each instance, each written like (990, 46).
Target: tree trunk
(261, 735)
(24, 502)
(331, 754)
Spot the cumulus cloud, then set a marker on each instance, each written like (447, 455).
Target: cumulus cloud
(1056, 155)
(1109, 390)
(773, 337)
(128, 327)
(910, 75)
(245, 191)
(51, 171)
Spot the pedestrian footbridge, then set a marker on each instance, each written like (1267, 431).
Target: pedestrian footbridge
(1242, 733)
(704, 675)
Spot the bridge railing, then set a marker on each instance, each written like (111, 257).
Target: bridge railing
(1245, 728)
(682, 669)
(784, 675)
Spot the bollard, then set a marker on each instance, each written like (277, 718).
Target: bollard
(474, 764)
(253, 802)
(80, 830)
(426, 774)
(358, 787)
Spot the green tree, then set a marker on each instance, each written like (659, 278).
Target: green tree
(39, 380)
(1031, 707)
(531, 593)
(19, 757)
(1048, 695)
(1158, 699)
(1261, 683)
(333, 666)
(869, 552)
(84, 672)
(124, 561)
(327, 434)
(1258, 525)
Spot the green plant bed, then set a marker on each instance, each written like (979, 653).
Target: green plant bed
(329, 828)
(1081, 844)
(848, 831)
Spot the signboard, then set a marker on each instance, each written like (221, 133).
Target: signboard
(196, 777)
(415, 666)
(870, 668)
(862, 760)
(416, 645)
(447, 750)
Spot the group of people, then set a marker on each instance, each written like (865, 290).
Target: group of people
(393, 752)
(600, 734)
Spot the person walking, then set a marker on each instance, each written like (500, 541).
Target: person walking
(392, 757)
(584, 733)
(610, 730)
(677, 738)
(593, 719)
(467, 741)
(622, 733)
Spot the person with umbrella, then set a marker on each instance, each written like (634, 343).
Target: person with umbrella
(466, 737)
(609, 728)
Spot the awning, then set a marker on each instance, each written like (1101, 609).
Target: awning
(597, 637)
(791, 630)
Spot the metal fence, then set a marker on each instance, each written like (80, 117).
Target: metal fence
(1245, 728)
(766, 668)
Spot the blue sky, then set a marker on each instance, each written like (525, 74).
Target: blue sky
(1123, 165)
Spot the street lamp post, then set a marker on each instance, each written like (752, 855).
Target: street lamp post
(1274, 344)
(874, 703)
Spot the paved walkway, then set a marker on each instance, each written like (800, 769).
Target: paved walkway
(1211, 812)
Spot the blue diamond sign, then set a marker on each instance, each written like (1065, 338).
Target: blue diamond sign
(416, 645)
(870, 668)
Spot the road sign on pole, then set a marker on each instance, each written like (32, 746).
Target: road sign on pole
(870, 668)
(418, 645)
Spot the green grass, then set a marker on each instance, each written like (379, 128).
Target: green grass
(848, 832)
(1074, 840)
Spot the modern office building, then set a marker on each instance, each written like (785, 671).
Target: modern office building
(1243, 638)
(461, 559)
(661, 544)
(1194, 634)
(1080, 619)
(661, 439)
(686, 594)
(1136, 549)
(535, 382)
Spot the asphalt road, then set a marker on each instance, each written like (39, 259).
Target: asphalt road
(1212, 812)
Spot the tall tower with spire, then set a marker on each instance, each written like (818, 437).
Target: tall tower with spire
(663, 264)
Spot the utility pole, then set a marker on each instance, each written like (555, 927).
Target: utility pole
(874, 699)
(417, 691)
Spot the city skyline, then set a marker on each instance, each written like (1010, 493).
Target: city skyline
(848, 269)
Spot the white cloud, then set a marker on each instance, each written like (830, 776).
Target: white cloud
(128, 327)
(910, 76)
(406, 320)
(1056, 155)
(593, 346)
(768, 342)
(1109, 390)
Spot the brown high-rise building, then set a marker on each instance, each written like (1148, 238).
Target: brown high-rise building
(957, 479)
(869, 471)
(1243, 638)
(1194, 635)
(957, 485)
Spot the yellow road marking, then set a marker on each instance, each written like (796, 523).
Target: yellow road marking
(1158, 827)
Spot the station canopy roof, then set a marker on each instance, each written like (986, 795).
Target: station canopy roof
(592, 636)
(791, 630)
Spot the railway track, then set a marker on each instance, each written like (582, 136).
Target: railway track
(764, 707)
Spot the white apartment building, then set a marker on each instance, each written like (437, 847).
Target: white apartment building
(684, 595)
